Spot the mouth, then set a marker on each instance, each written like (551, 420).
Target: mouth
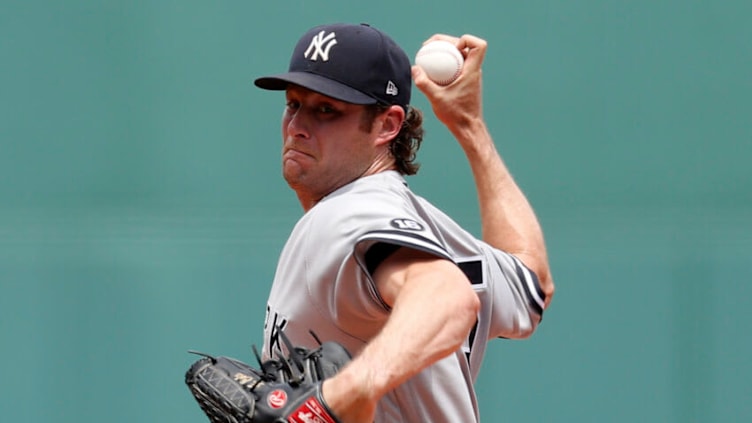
(292, 153)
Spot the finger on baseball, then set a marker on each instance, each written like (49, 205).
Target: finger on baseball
(449, 38)
(422, 81)
(463, 43)
(473, 49)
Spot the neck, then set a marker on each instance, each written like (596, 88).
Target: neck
(381, 163)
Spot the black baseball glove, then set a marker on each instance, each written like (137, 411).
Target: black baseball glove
(285, 389)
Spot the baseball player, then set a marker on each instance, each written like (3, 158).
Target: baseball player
(378, 268)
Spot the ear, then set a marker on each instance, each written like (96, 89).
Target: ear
(390, 124)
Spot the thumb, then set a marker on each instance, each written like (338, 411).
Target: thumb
(422, 81)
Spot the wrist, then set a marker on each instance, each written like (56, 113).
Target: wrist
(349, 397)
(473, 136)
(312, 407)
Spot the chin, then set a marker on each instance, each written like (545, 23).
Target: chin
(294, 177)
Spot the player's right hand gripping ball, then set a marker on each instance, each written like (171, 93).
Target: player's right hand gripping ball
(286, 389)
(441, 61)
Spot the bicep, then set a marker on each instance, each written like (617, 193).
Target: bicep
(406, 264)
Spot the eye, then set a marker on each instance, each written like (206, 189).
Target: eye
(292, 104)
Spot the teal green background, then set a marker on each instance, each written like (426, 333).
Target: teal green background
(142, 207)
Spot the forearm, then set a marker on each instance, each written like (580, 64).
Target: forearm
(408, 343)
(508, 221)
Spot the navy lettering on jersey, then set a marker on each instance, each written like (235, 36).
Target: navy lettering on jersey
(277, 324)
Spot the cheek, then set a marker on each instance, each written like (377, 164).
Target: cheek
(285, 123)
(347, 154)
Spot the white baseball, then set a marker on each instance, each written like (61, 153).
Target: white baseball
(441, 61)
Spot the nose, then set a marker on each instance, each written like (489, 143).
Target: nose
(295, 124)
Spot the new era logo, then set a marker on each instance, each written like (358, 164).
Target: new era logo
(391, 89)
(320, 46)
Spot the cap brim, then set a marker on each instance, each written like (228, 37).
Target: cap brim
(317, 83)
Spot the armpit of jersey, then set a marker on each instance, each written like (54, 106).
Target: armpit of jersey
(373, 247)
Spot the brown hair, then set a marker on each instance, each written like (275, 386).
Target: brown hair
(404, 147)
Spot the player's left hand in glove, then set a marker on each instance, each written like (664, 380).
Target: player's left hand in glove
(285, 389)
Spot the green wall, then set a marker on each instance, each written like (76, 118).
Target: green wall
(142, 208)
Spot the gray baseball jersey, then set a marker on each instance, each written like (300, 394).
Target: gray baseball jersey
(323, 284)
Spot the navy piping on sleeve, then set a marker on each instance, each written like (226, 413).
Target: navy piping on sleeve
(535, 295)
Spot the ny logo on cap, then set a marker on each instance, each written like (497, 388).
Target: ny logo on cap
(320, 46)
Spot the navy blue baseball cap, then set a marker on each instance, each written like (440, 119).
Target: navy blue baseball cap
(356, 64)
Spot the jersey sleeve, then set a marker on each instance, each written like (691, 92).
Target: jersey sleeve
(514, 296)
(398, 232)
(392, 230)
(343, 237)
(383, 221)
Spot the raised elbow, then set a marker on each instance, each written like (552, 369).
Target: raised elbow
(546, 283)
(538, 265)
